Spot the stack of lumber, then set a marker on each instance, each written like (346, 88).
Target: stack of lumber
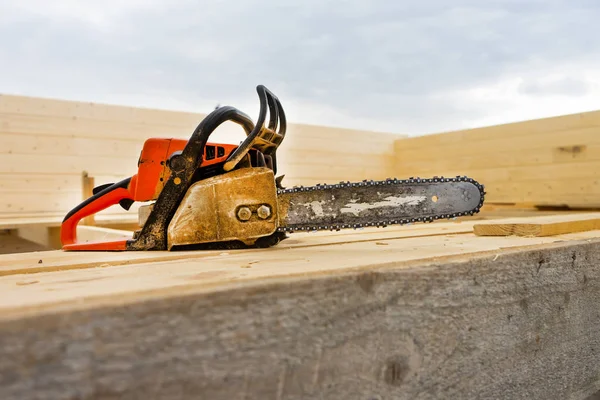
(424, 311)
(47, 145)
(544, 162)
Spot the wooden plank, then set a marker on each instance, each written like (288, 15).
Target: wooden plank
(558, 171)
(404, 244)
(14, 223)
(539, 226)
(219, 269)
(39, 181)
(58, 125)
(509, 131)
(60, 261)
(569, 192)
(298, 151)
(51, 107)
(39, 201)
(23, 143)
(500, 211)
(54, 261)
(399, 320)
(573, 141)
(66, 126)
(67, 164)
(520, 160)
(56, 111)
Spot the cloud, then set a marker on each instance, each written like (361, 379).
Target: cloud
(567, 86)
(527, 95)
(406, 67)
(99, 14)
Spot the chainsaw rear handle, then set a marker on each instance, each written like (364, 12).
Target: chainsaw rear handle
(117, 193)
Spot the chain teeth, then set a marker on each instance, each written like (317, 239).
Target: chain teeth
(387, 181)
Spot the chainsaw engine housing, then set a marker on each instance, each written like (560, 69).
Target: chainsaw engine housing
(238, 205)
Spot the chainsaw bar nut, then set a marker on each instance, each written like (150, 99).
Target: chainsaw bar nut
(263, 212)
(244, 214)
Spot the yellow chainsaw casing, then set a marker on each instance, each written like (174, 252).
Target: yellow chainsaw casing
(240, 205)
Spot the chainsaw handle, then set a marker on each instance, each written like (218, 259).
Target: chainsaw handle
(266, 139)
(102, 200)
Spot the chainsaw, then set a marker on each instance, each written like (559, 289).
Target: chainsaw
(206, 195)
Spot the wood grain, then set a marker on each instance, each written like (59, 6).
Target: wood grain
(512, 130)
(46, 144)
(551, 161)
(51, 261)
(418, 318)
(539, 226)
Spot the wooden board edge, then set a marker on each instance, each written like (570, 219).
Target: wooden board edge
(539, 226)
(394, 329)
(408, 266)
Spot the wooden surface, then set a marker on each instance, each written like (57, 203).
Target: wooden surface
(418, 312)
(551, 161)
(539, 226)
(46, 145)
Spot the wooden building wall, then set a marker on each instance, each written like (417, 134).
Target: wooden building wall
(549, 162)
(46, 145)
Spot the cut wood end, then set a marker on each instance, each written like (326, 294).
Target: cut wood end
(539, 226)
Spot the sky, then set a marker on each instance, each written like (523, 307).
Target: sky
(407, 67)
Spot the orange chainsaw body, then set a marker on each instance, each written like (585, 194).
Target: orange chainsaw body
(146, 185)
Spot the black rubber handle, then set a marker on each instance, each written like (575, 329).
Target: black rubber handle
(276, 119)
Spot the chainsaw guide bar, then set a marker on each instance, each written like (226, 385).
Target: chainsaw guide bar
(208, 195)
(371, 203)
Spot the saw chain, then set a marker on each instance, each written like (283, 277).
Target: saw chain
(349, 187)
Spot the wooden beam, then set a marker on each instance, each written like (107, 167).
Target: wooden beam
(510, 131)
(341, 318)
(539, 226)
(566, 144)
(19, 264)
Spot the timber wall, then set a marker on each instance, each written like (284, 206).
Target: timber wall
(46, 145)
(544, 162)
